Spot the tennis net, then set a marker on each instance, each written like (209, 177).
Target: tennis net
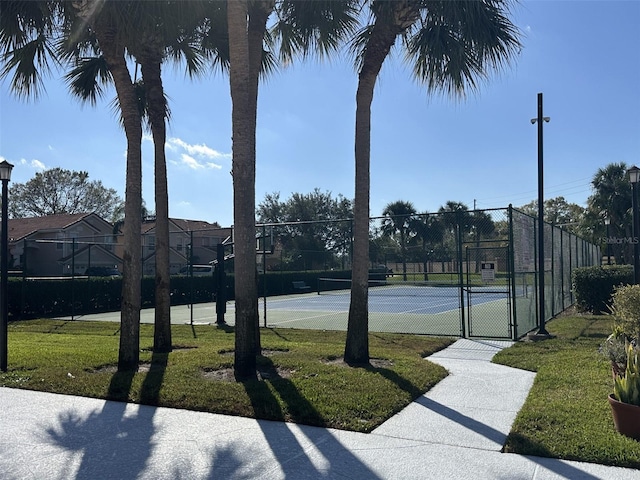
(342, 286)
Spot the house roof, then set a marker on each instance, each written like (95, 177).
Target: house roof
(20, 228)
(80, 251)
(183, 224)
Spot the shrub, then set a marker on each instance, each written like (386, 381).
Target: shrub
(626, 310)
(593, 286)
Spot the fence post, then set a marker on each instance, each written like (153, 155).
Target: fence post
(512, 274)
(463, 329)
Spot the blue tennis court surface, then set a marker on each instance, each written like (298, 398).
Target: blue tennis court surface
(394, 299)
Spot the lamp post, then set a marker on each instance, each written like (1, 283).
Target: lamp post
(540, 119)
(607, 222)
(634, 178)
(5, 176)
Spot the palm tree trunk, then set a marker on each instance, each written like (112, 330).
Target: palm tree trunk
(403, 252)
(259, 13)
(357, 344)
(113, 51)
(381, 39)
(151, 73)
(243, 134)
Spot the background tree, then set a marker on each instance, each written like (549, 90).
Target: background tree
(398, 223)
(611, 199)
(450, 45)
(56, 191)
(429, 232)
(318, 229)
(558, 212)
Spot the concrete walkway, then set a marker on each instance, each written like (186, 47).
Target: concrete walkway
(455, 431)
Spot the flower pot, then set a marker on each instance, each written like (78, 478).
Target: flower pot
(626, 418)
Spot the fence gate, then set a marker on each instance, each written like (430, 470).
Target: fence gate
(487, 289)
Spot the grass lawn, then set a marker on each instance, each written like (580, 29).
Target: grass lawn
(303, 379)
(566, 414)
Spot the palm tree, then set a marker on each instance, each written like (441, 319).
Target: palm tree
(428, 231)
(162, 30)
(611, 199)
(106, 22)
(399, 220)
(451, 44)
(162, 33)
(28, 32)
(302, 26)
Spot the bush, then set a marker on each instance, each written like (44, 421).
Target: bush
(626, 310)
(33, 298)
(593, 286)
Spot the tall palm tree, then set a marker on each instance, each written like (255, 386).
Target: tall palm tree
(28, 32)
(164, 32)
(243, 134)
(105, 20)
(399, 220)
(159, 31)
(450, 44)
(301, 26)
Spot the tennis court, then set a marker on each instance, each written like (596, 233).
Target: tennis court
(392, 308)
(414, 309)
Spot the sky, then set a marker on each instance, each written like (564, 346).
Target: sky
(583, 55)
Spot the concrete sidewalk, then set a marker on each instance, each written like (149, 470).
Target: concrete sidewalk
(455, 431)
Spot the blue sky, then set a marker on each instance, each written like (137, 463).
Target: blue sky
(584, 56)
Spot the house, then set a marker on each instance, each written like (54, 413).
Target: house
(190, 241)
(59, 245)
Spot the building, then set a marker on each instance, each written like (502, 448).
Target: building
(190, 241)
(59, 245)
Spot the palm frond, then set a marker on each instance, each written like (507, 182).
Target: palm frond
(87, 79)
(28, 65)
(317, 27)
(459, 43)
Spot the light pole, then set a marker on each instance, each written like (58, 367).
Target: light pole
(5, 176)
(634, 177)
(607, 222)
(540, 119)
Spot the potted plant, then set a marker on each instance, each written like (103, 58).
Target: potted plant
(621, 348)
(625, 399)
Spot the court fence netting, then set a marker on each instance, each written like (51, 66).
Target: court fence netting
(456, 273)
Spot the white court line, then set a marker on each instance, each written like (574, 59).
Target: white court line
(331, 314)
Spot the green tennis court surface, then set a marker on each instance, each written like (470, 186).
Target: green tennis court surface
(434, 313)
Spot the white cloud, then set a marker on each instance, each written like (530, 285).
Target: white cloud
(35, 164)
(201, 150)
(194, 164)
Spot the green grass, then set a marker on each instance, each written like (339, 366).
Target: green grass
(303, 379)
(566, 414)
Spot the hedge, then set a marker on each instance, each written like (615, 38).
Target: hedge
(34, 298)
(593, 286)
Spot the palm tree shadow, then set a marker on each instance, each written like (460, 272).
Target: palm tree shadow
(281, 438)
(118, 438)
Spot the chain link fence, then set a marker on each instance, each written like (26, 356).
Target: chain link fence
(458, 272)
